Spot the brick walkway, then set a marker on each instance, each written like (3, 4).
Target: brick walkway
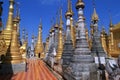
(37, 70)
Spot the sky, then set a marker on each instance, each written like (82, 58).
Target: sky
(31, 11)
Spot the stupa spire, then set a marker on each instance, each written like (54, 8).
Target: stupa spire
(17, 11)
(56, 24)
(69, 11)
(68, 46)
(10, 16)
(61, 21)
(13, 55)
(81, 61)
(96, 44)
(111, 23)
(9, 25)
(39, 45)
(95, 15)
(60, 38)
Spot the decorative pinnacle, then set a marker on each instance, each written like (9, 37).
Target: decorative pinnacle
(95, 16)
(11, 1)
(17, 11)
(17, 16)
(40, 26)
(56, 25)
(57, 17)
(10, 15)
(61, 22)
(15, 20)
(111, 24)
(52, 22)
(80, 4)
(69, 5)
(69, 12)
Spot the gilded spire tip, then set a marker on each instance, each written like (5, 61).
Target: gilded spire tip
(69, 12)
(61, 22)
(40, 26)
(10, 15)
(17, 10)
(95, 16)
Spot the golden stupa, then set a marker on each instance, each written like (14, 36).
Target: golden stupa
(39, 48)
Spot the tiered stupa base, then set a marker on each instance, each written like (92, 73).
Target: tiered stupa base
(12, 68)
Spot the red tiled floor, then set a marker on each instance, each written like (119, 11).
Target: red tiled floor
(37, 70)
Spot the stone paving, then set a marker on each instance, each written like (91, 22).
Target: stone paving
(35, 70)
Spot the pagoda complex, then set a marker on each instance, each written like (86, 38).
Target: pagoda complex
(11, 58)
(71, 52)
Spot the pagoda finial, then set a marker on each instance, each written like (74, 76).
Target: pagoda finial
(40, 26)
(10, 16)
(69, 12)
(57, 18)
(70, 6)
(61, 22)
(111, 24)
(17, 11)
(56, 25)
(95, 15)
(26, 36)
